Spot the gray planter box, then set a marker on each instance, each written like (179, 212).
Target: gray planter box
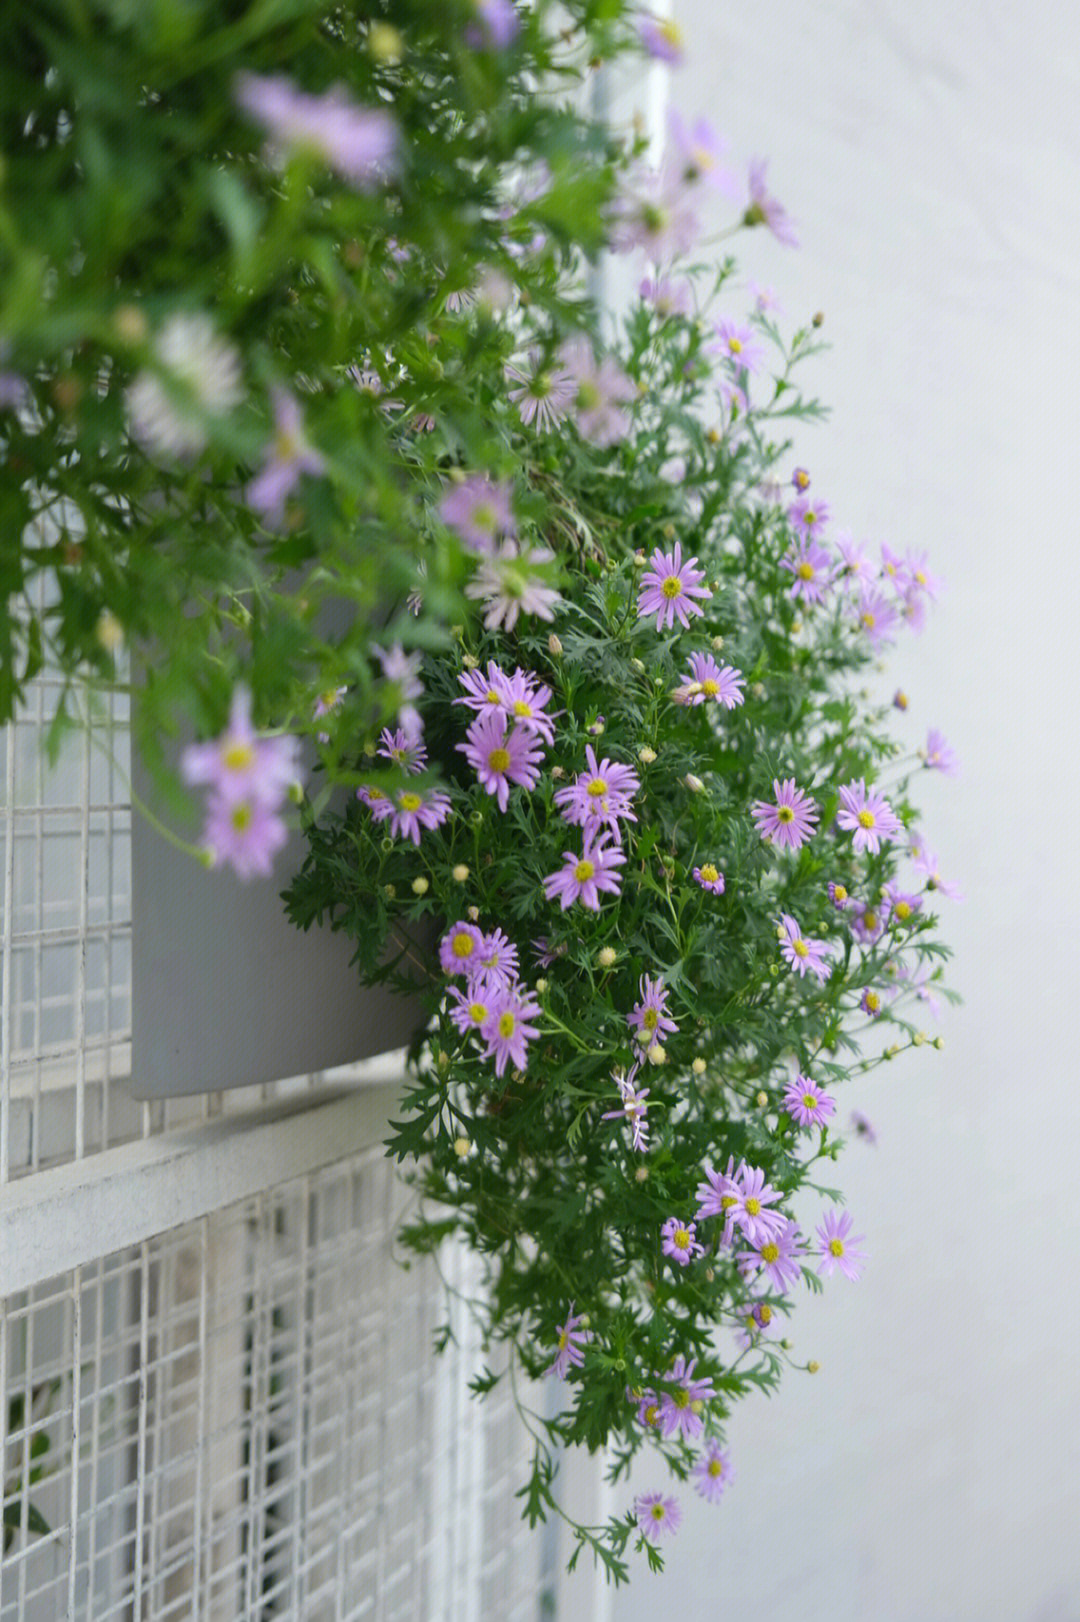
(226, 992)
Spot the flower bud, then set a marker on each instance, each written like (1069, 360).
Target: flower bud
(918, 1039)
(939, 1042)
(473, 914)
(638, 664)
(390, 890)
(606, 956)
(129, 324)
(642, 1174)
(713, 435)
(384, 43)
(761, 1100)
(420, 885)
(657, 1053)
(693, 783)
(462, 1147)
(900, 700)
(813, 1366)
(459, 873)
(646, 755)
(718, 643)
(109, 631)
(557, 773)
(787, 1343)
(554, 646)
(698, 1067)
(207, 856)
(541, 986)
(470, 661)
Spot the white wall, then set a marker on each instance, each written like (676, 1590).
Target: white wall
(931, 154)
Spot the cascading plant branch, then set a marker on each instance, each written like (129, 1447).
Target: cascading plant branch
(647, 844)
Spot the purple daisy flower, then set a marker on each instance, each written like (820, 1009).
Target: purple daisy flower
(708, 682)
(876, 616)
(776, 1257)
(412, 811)
(763, 208)
(699, 154)
(854, 558)
(919, 575)
(667, 297)
(507, 1029)
(482, 692)
(867, 815)
(811, 567)
(747, 1209)
(804, 955)
(583, 878)
(570, 1341)
(241, 766)
(655, 214)
(508, 584)
(497, 25)
(472, 1007)
(863, 1128)
(838, 1247)
(405, 749)
(291, 457)
(460, 949)
(632, 1107)
(649, 1018)
(361, 143)
(681, 1408)
(679, 1242)
(808, 517)
(657, 1516)
(600, 795)
(328, 703)
(525, 700)
(402, 671)
(245, 832)
(870, 1003)
(710, 878)
(479, 511)
(501, 755)
(662, 38)
(718, 1193)
(927, 863)
(902, 905)
(544, 394)
(670, 587)
(805, 1102)
(604, 392)
(791, 820)
(838, 895)
(712, 1474)
(738, 346)
(498, 962)
(755, 1322)
(868, 920)
(939, 755)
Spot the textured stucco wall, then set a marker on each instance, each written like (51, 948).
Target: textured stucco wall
(931, 154)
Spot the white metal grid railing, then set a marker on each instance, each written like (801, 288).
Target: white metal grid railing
(229, 1409)
(241, 1419)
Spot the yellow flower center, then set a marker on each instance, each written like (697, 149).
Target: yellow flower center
(478, 1012)
(727, 1201)
(652, 1413)
(765, 1314)
(865, 818)
(836, 1247)
(920, 578)
(240, 817)
(873, 1002)
(839, 892)
(462, 945)
(584, 870)
(521, 708)
(238, 757)
(330, 698)
(564, 1340)
(499, 760)
(375, 794)
(903, 911)
(681, 1398)
(805, 571)
(800, 948)
(770, 1252)
(709, 687)
(507, 1024)
(868, 620)
(709, 873)
(671, 32)
(658, 1512)
(597, 788)
(809, 1101)
(785, 813)
(491, 696)
(650, 1019)
(715, 1467)
(753, 1206)
(735, 345)
(672, 587)
(811, 518)
(484, 515)
(410, 802)
(682, 1239)
(870, 920)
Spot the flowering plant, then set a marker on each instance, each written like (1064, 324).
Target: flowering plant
(315, 401)
(679, 895)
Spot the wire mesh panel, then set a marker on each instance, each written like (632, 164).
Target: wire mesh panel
(242, 1419)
